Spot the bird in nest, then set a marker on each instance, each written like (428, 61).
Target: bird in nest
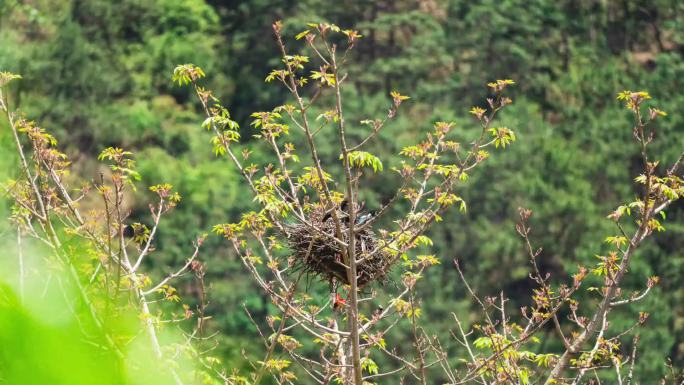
(361, 215)
(361, 218)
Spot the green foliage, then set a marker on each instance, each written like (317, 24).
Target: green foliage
(361, 159)
(6, 77)
(48, 336)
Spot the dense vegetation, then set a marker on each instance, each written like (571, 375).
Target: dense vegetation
(98, 74)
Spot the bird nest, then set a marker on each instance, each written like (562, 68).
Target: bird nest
(316, 251)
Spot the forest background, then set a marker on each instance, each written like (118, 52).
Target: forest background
(97, 73)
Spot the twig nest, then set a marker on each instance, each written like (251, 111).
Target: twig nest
(316, 251)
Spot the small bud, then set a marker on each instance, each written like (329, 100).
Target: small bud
(277, 27)
(187, 313)
(524, 213)
(310, 38)
(653, 113)
(652, 281)
(582, 321)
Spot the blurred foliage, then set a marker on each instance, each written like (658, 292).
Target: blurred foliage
(97, 73)
(48, 337)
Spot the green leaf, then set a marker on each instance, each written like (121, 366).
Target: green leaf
(6, 77)
(302, 34)
(369, 365)
(483, 342)
(360, 159)
(186, 73)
